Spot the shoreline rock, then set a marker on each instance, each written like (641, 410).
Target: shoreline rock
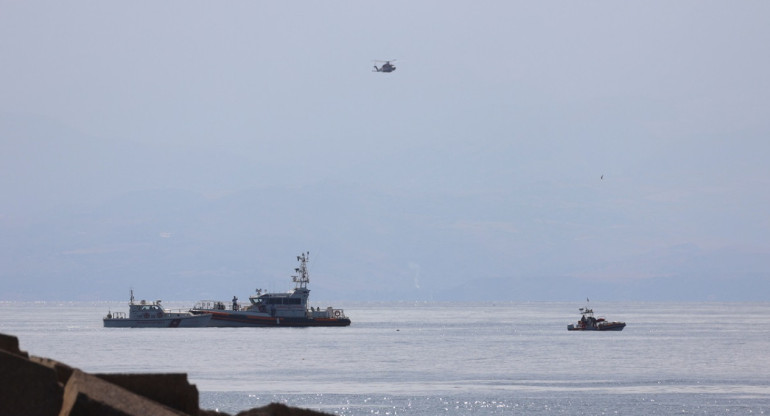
(32, 386)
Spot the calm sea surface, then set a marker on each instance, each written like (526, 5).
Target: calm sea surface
(439, 358)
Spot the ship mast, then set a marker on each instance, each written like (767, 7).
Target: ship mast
(302, 278)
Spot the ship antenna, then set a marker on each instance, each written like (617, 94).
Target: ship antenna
(132, 296)
(302, 278)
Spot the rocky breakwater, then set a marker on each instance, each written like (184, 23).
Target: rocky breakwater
(32, 386)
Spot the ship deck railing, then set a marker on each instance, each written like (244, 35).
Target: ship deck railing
(182, 311)
(326, 313)
(217, 305)
(312, 312)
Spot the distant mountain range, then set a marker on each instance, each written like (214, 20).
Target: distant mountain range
(364, 245)
(85, 219)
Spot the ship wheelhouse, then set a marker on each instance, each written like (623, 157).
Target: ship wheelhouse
(146, 310)
(295, 301)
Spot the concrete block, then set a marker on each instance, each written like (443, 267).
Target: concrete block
(211, 413)
(10, 343)
(63, 371)
(86, 395)
(171, 389)
(279, 409)
(27, 388)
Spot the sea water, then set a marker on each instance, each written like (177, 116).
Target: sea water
(439, 358)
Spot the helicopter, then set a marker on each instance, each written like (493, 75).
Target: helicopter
(386, 66)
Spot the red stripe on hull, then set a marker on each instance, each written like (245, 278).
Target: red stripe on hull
(236, 320)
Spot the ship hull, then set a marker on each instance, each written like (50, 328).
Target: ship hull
(231, 319)
(608, 327)
(193, 321)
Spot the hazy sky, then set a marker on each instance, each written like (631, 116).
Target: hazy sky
(516, 108)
